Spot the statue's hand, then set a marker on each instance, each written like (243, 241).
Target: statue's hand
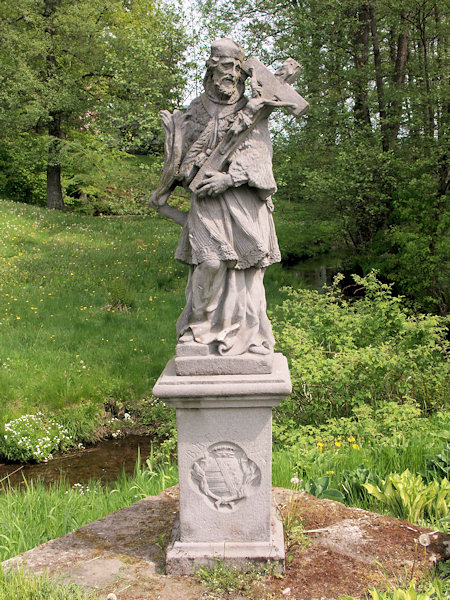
(214, 184)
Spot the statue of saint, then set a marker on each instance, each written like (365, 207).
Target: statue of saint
(228, 236)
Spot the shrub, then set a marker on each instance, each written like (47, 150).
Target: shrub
(408, 497)
(33, 438)
(349, 353)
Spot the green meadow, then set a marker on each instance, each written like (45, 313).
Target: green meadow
(88, 307)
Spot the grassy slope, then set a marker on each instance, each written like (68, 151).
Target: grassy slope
(59, 346)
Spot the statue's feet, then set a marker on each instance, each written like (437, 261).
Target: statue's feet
(187, 336)
(259, 349)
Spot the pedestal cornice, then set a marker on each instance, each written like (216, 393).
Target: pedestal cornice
(219, 391)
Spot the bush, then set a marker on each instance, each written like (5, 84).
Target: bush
(23, 168)
(33, 438)
(348, 353)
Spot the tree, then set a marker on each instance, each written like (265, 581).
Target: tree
(373, 141)
(103, 65)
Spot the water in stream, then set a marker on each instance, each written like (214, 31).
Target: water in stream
(314, 273)
(105, 461)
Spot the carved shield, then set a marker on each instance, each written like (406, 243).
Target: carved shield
(225, 475)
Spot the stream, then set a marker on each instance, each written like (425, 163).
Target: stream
(104, 461)
(314, 273)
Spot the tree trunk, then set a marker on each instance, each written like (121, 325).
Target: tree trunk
(395, 109)
(379, 78)
(54, 188)
(426, 76)
(361, 58)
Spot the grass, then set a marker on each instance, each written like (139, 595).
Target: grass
(87, 310)
(17, 584)
(62, 344)
(37, 513)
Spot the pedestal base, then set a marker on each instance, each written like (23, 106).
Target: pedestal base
(224, 425)
(199, 359)
(184, 558)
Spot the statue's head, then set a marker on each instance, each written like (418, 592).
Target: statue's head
(224, 74)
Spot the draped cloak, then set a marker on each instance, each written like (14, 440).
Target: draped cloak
(226, 304)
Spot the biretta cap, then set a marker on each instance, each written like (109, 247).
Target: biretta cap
(226, 47)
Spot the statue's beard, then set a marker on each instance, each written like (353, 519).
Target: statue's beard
(225, 86)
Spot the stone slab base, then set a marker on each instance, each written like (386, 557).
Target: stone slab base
(202, 391)
(184, 558)
(215, 364)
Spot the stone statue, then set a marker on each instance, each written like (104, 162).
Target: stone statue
(220, 149)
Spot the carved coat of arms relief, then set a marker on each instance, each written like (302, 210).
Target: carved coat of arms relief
(225, 475)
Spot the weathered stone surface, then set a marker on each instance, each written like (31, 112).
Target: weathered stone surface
(184, 558)
(192, 349)
(225, 464)
(214, 364)
(208, 391)
(225, 473)
(124, 553)
(220, 150)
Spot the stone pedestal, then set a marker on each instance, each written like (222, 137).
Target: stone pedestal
(224, 427)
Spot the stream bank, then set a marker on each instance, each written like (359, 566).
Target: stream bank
(104, 461)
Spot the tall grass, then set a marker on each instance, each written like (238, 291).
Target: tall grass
(17, 585)
(64, 340)
(37, 513)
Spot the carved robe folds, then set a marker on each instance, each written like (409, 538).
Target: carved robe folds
(228, 239)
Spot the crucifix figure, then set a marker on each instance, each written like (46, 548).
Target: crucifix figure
(220, 149)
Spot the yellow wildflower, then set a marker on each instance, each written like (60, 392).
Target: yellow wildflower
(337, 444)
(351, 439)
(355, 447)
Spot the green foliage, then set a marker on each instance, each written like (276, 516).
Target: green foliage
(434, 591)
(371, 152)
(100, 179)
(82, 421)
(33, 438)
(303, 230)
(416, 251)
(353, 483)
(408, 497)
(344, 354)
(159, 419)
(19, 584)
(320, 488)
(22, 168)
(74, 70)
(364, 448)
(439, 465)
(121, 295)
